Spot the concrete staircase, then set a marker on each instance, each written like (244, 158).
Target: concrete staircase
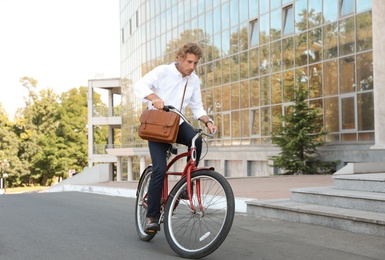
(355, 203)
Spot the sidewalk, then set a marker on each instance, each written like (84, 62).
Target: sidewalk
(245, 189)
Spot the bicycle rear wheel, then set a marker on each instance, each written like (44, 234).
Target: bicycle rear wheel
(141, 205)
(197, 233)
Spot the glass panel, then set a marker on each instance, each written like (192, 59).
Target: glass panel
(245, 123)
(253, 7)
(348, 113)
(210, 69)
(217, 19)
(365, 137)
(225, 70)
(276, 56)
(330, 10)
(244, 65)
(276, 82)
(264, 58)
(254, 62)
(347, 7)
(254, 93)
(226, 125)
(331, 113)
(265, 91)
(365, 111)
(234, 13)
(315, 13)
(226, 98)
(245, 94)
(235, 124)
(243, 9)
(218, 72)
(235, 96)
(234, 40)
(217, 99)
(302, 78)
(275, 24)
(288, 85)
(348, 137)
(288, 53)
(234, 67)
(315, 73)
(254, 35)
(210, 101)
(365, 71)
(364, 31)
(315, 45)
(347, 37)
(330, 41)
(225, 16)
(226, 42)
(347, 69)
(265, 121)
(209, 22)
(276, 119)
(264, 6)
(364, 5)
(255, 119)
(300, 16)
(301, 50)
(264, 29)
(288, 26)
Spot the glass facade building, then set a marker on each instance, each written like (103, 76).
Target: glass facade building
(255, 52)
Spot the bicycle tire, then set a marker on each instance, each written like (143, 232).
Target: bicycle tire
(141, 206)
(196, 235)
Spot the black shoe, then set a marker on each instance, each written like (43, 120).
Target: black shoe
(152, 226)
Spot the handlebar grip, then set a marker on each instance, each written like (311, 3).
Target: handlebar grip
(167, 108)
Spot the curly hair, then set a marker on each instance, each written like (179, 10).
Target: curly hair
(191, 48)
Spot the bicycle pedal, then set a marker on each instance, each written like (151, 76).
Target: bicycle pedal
(174, 150)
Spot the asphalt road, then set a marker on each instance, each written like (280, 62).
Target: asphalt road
(73, 225)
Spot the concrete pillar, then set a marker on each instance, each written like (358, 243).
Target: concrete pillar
(142, 164)
(378, 21)
(118, 168)
(130, 174)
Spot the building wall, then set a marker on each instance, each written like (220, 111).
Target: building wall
(254, 53)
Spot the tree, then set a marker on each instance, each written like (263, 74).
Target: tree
(298, 136)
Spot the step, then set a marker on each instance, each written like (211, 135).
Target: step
(350, 199)
(374, 182)
(358, 221)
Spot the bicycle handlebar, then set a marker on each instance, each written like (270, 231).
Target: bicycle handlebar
(176, 111)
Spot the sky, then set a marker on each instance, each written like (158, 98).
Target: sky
(60, 43)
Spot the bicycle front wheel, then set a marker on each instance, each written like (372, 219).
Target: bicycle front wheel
(141, 206)
(195, 232)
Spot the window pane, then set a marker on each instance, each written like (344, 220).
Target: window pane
(331, 114)
(364, 5)
(365, 71)
(264, 29)
(254, 93)
(235, 124)
(254, 35)
(300, 16)
(347, 7)
(226, 98)
(254, 62)
(276, 119)
(331, 78)
(288, 86)
(301, 50)
(276, 56)
(226, 42)
(245, 123)
(234, 12)
(315, 45)
(253, 6)
(264, 7)
(315, 73)
(218, 72)
(276, 82)
(264, 58)
(256, 129)
(330, 41)
(288, 26)
(225, 16)
(347, 38)
(235, 96)
(226, 125)
(348, 113)
(210, 101)
(218, 99)
(275, 25)
(330, 11)
(234, 67)
(265, 91)
(245, 94)
(243, 10)
(347, 69)
(217, 18)
(315, 13)
(364, 31)
(288, 53)
(302, 78)
(265, 121)
(244, 65)
(365, 111)
(225, 70)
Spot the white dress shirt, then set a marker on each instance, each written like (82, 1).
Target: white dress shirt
(168, 84)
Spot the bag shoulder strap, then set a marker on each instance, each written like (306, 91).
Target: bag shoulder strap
(184, 92)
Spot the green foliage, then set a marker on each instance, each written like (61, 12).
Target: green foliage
(299, 136)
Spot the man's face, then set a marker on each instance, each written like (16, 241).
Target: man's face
(188, 64)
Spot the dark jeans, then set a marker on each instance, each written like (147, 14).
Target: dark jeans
(158, 153)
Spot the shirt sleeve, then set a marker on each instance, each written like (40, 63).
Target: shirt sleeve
(146, 85)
